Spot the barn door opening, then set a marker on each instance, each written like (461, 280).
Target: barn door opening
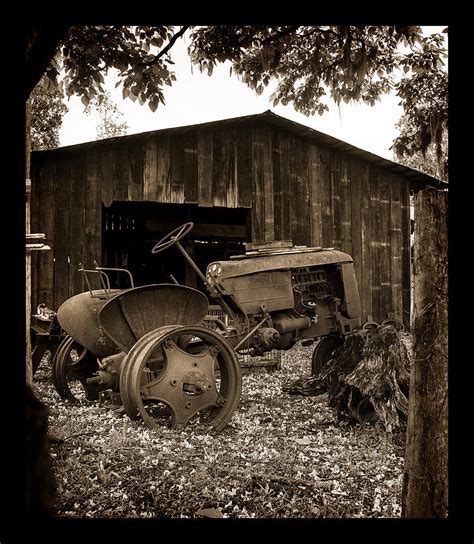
(130, 230)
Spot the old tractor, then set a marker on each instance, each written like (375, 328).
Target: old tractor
(151, 351)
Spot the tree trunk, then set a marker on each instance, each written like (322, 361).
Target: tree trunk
(29, 369)
(425, 484)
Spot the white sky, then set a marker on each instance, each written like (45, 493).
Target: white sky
(197, 98)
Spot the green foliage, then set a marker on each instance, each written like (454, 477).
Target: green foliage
(47, 110)
(110, 124)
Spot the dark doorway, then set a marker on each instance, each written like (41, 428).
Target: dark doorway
(130, 230)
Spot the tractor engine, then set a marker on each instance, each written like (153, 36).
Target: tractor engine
(283, 295)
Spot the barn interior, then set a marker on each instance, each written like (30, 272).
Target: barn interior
(131, 229)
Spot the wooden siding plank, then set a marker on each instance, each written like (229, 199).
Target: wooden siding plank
(258, 188)
(219, 170)
(267, 166)
(36, 176)
(284, 145)
(396, 247)
(61, 230)
(293, 188)
(406, 252)
(356, 220)
(314, 180)
(135, 172)
(336, 205)
(346, 206)
(231, 152)
(326, 210)
(163, 165)
(177, 170)
(150, 172)
(76, 224)
(191, 168)
(93, 215)
(277, 185)
(366, 260)
(375, 237)
(385, 238)
(244, 166)
(205, 160)
(120, 168)
(107, 176)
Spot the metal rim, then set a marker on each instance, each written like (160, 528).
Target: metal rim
(192, 370)
(323, 351)
(66, 368)
(172, 237)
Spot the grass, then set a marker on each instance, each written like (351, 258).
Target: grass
(281, 456)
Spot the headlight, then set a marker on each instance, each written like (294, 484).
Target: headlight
(214, 271)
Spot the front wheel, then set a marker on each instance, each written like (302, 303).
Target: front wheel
(176, 374)
(323, 352)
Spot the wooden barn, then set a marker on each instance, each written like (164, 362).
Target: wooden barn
(256, 178)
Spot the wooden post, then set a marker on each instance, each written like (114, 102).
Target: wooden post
(425, 484)
(29, 368)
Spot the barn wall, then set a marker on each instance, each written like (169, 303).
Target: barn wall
(297, 190)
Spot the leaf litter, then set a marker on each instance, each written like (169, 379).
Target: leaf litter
(281, 456)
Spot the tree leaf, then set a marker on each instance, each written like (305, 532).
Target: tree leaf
(85, 100)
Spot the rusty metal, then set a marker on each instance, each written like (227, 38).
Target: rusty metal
(201, 376)
(135, 312)
(323, 352)
(74, 364)
(78, 316)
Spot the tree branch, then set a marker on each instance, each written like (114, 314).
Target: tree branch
(168, 47)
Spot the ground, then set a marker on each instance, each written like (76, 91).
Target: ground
(281, 456)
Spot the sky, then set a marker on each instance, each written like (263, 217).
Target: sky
(198, 98)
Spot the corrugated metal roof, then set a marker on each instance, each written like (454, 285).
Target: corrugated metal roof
(419, 179)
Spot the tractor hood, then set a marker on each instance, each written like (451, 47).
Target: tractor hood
(272, 260)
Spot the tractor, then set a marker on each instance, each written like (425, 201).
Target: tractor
(151, 352)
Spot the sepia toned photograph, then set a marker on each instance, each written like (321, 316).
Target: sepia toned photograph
(236, 272)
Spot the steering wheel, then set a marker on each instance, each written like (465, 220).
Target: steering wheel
(172, 237)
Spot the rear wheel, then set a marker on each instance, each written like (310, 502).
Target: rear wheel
(323, 353)
(71, 368)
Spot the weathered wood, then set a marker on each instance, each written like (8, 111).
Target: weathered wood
(177, 170)
(205, 159)
(336, 204)
(406, 254)
(267, 167)
(232, 184)
(325, 184)
(135, 181)
(293, 189)
(346, 206)
(163, 159)
(120, 169)
(285, 186)
(375, 241)
(190, 142)
(244, 166)
(425, 485)
(77, 223)
(36, 180)
(301, 207)
(61, 230)
(46, 216)
(107, 176)
(200, 229)
(219, 170)
(396, 248)
(277, 185)
(93, 215)
(386, 308)
(150, 172)
(314, 179)
(356, 220)
(366, 261)
(258, 188)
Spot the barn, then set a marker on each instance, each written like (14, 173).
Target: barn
(253, 179)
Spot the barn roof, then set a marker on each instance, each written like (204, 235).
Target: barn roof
(418, 180)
